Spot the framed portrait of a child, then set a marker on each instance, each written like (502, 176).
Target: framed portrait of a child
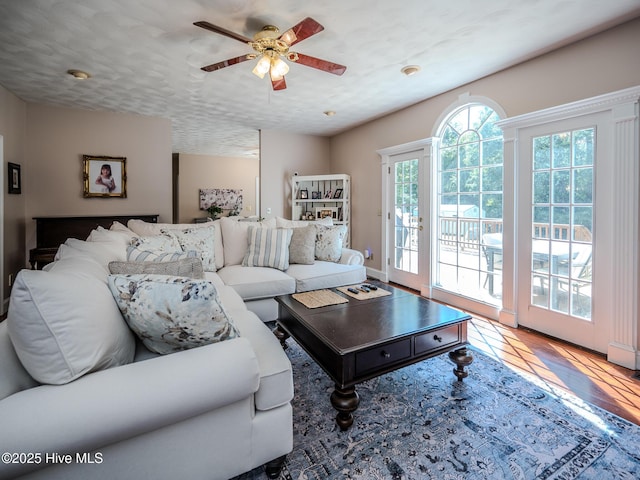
(104, 176)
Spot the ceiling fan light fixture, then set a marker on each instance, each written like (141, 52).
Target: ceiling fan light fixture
(263, 66)
(279, 68)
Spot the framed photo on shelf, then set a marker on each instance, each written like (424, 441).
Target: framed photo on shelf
(316, 195)
(338, 193)
(15, 179)
(104, 176)
(323, 212)
(327, 194)
(304, 194)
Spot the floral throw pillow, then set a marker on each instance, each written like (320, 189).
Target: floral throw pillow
(169, 313)
(329, 242)
(199, 239)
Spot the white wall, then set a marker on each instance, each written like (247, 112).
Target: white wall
(57, 139)
(282, 154)
(203, 171)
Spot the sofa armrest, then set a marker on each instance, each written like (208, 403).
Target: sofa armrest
(119, 403)
(351, 257)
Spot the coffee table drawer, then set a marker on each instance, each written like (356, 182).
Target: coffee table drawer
(438, 339)
(381, 356)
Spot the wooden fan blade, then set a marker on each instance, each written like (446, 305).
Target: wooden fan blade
(278, 83)
(226, 63)
(222, 31)
(302, 30)
(323, 65)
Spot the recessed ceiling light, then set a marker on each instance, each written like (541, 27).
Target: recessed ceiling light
(410, 70)
(329, 113)
(79, 74)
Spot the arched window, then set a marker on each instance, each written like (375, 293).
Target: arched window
(469, 204)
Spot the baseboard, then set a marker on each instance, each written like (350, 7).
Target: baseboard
(377, 274)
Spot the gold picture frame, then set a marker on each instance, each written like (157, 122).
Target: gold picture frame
(104, 176)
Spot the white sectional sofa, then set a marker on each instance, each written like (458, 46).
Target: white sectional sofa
(81, 397)
(259, 285)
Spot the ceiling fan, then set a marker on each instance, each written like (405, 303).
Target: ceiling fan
(272, 48)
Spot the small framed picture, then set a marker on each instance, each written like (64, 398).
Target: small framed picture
(316, 195)
(104, 176)
(327, 194)
(15, 180)
(323, 212)
(338, 193)
(304, 194)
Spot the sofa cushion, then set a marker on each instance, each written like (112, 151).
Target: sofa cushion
(187, 267)
(170, 314)
(302, 248)
(102, 252)
(276, 380)
(268, 247)
(136, 254)
(257, 282)
(325, 275)
(64, 325)
(13, 376)
(329, 242)
(200, 240)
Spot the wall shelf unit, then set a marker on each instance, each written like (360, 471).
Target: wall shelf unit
(317, 196)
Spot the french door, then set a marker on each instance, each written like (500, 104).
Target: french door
(562, 219)
(407, 258)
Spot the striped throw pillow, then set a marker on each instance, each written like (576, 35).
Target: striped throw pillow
(268, 247)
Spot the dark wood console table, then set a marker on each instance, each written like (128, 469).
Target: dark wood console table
(51, 232)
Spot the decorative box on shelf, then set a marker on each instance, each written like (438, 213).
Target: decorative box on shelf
(317, 196)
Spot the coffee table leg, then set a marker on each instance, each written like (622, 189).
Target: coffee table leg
(282, 336)
(345, 401)
(462, 358)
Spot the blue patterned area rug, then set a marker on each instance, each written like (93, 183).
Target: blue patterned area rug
(419, 422)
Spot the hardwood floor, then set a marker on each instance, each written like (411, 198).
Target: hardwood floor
(586, 374)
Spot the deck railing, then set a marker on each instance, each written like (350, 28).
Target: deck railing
(468, 233)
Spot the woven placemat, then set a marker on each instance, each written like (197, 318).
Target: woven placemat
(380, 292)
(319, 298)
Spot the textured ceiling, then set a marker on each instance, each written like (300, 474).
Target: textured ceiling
(145, 57)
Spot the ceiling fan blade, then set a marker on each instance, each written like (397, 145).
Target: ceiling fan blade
(226, 63)
(222, 31)
(302, 30)
(278, 83)
(323, 65)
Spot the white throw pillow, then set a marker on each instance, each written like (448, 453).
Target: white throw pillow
(268, 247)
(198, 239)
(102, 252)
(170, 314)
(101, 234)
(235, 238)
(63, 326)
(329, 242)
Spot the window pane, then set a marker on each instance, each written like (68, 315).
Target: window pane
(492, 205)
(561, 150)
(492, 152)
(449, 137)
(561, 186)
(492, 179)
(583, 185)
(490, 130)
(469, 181)
(469, 155)
(449, 158)
(541, 153)
(449, 182)
(541, 215)
(469, 136)
(583, 147)
(583, 217)
(541, 187)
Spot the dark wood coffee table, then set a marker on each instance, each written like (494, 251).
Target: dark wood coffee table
(363, 339)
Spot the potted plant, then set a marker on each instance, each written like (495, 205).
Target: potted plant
(214, 211)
